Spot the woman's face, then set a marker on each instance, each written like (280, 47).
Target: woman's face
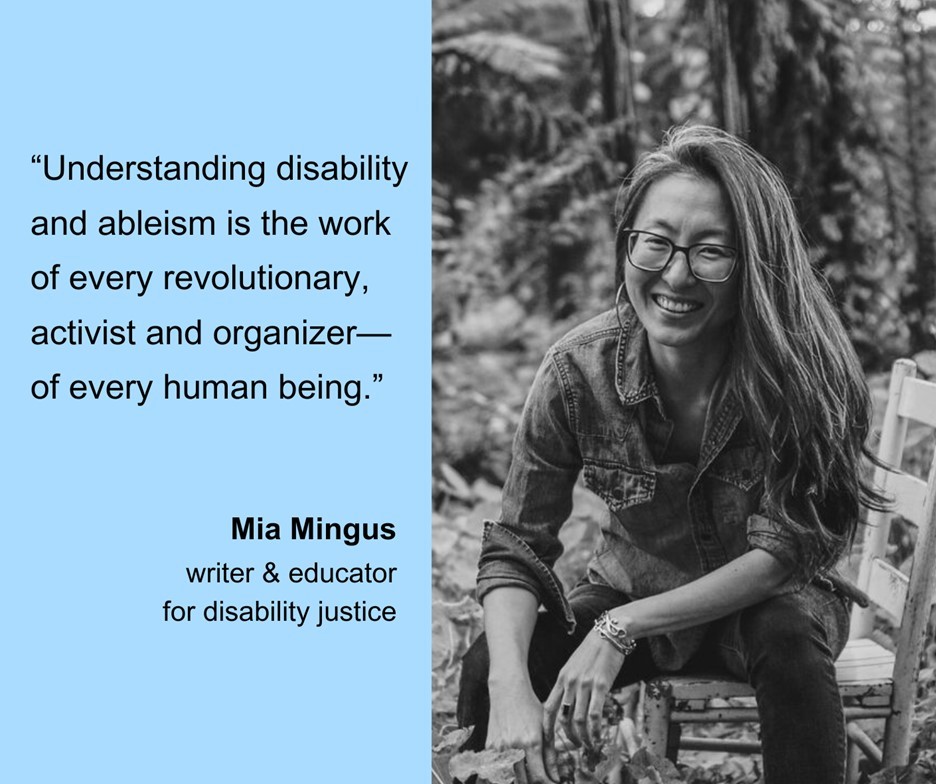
(677, 309)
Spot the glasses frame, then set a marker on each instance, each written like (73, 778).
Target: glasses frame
(675, 249)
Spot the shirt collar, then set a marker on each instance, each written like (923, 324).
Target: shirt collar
(635, 383)
(633, 373)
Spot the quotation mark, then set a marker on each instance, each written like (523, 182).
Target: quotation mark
(377, 378)
(37, 158)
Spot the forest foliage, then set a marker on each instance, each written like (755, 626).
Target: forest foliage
(540, 108)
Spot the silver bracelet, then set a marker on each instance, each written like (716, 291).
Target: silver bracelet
(610, 630)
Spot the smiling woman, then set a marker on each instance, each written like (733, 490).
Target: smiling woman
(732, 479)
(679, 310)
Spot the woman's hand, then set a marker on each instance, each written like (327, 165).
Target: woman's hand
(516, 722)
(579, 694)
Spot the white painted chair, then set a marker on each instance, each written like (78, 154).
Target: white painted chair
(873, 681)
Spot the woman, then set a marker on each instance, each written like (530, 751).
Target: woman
(720, 412)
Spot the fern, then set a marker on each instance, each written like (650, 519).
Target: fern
(507, 55)
(522, 16)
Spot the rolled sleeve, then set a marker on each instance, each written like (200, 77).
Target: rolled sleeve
(521, 548)
(506, 560)
(764, 533)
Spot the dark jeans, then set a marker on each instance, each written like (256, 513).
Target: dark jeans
(784, 647)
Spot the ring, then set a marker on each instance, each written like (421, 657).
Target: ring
(566, 708)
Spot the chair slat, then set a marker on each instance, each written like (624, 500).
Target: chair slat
(704, 687)
(887, 587)
(861, 649)
(863, 668)
(909, 495)
(865, 673)
(918, 401)
(867, 688)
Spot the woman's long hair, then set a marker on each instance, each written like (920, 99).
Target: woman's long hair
(800, 385)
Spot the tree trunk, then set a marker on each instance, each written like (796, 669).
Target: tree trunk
(729, 103)
(920, 294)
(611, 23)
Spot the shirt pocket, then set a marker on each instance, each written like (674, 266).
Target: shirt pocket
(743, 468)
(735, 487)
(618, 485)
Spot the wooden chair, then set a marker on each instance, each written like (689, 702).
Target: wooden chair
(874, 682)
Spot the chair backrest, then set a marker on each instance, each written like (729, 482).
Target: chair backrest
(908, 599)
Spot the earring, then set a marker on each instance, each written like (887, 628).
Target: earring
(617, 305)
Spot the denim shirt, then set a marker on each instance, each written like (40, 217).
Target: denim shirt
(594, 408)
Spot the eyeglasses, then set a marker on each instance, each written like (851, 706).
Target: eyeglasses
(652, 253)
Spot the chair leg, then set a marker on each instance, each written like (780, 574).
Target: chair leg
(673, 742)
(852, 761)
(657, 707)
(860, 746)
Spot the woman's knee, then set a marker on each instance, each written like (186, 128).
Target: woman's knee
(787, 637)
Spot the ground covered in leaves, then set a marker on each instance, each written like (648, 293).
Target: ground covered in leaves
(477, 400)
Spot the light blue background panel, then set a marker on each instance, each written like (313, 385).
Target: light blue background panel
(108, 502)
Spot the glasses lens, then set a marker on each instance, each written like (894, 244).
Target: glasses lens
(651, 252)
(648, 251)
(712, 262)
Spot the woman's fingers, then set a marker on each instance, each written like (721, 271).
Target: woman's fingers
(535, 768)
(576, 702)
(517, 723)
(550, 760)
(578, 726)
(582, 717)
(561, 707)
(552, 709)
(593, 716)
(533, 753)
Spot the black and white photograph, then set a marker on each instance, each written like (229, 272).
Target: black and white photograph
(684, 391)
